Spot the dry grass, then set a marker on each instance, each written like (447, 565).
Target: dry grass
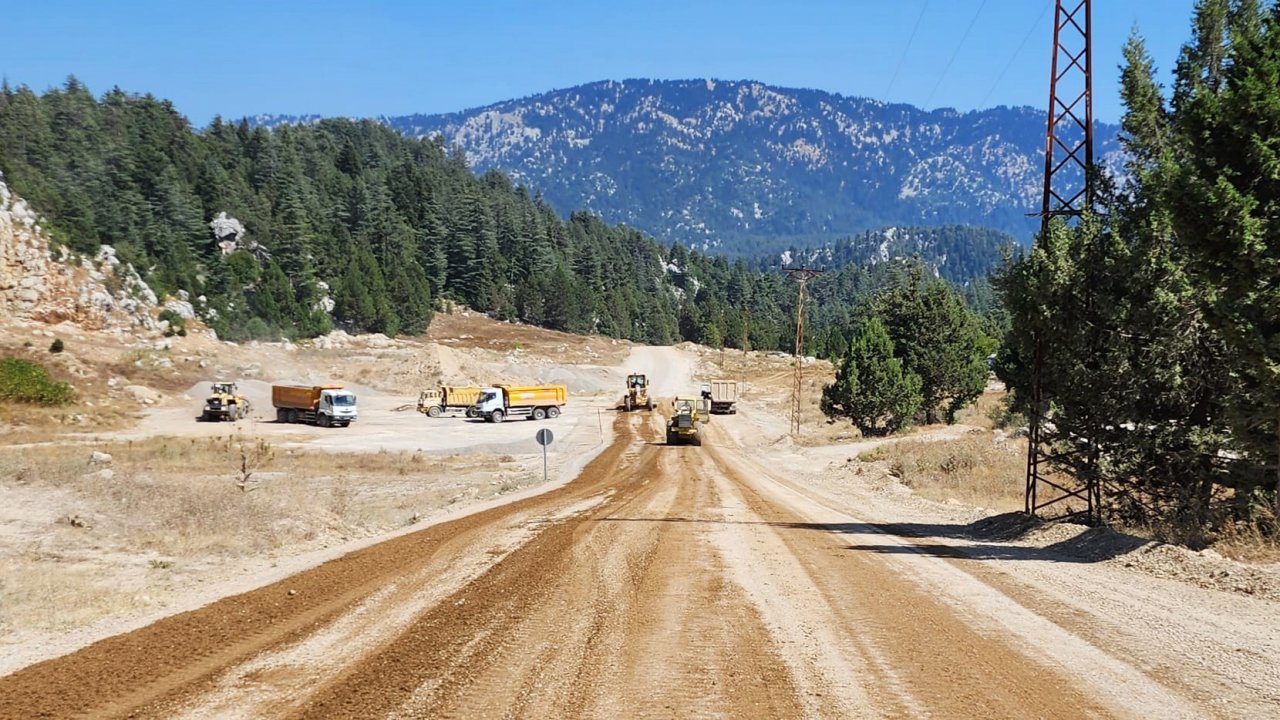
(174, 509)
(34, 595)
(1250, 542)
(972, 469)
(984, 411)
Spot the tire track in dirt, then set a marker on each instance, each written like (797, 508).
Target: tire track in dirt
(946, 667)
(592, 618)
(1097, 631)
(159, 668)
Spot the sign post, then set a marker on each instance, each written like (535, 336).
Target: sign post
(544, 438)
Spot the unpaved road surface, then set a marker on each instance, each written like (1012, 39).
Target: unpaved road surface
(662, 582)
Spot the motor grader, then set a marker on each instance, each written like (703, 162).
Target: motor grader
(224, 403)
(637, 396)
(688, 415)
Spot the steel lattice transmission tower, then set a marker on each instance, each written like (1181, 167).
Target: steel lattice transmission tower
(802, 277)
(1068, 194)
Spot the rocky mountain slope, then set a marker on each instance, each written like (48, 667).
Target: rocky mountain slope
(745, 167)
(38, 284)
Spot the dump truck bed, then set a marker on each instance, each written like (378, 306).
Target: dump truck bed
(301, 397)
(724, 391)
(518, 395)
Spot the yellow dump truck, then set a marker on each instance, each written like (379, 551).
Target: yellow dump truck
(532, 402)
(323, 405)
(447, 399)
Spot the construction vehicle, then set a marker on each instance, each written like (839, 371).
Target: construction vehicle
(446, 399)
(323, 405)
(688, 415)
(535, 402)
(224, 403)
(724, 396)
(637, 393)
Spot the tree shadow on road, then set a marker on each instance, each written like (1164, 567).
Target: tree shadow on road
(996, 538)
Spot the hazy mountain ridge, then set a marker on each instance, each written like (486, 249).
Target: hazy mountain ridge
(746, 167)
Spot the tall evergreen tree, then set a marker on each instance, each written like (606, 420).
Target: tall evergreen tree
(938, 339)
(1224, 197)
(871, 387)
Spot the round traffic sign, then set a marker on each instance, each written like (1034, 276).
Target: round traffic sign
(544, 437)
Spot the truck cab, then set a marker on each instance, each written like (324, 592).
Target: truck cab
(490, 399)
(339, 405)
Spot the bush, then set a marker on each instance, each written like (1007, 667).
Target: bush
(24, 381)
(56, 345)
(177, 323)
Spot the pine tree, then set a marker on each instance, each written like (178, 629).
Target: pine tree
(871, 387)
(938, 339)
(1224, 196)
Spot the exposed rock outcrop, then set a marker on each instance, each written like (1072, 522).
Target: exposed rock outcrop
(36, 284)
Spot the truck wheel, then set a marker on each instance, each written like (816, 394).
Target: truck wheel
(539, 414)
(471, 413)
(671, 438)
(553, 412)
(497, 416)
(433, 411)
(281, 416)
(293, 416)
(324, 421)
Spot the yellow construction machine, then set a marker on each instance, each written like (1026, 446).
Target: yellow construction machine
(637, 396)
(224, 403)
(688, 415)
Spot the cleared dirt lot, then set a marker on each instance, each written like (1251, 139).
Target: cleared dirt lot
(756, 576)
(751, 577)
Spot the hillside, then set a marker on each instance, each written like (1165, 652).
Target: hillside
(956, 253)
(745, 167)
(350, 224)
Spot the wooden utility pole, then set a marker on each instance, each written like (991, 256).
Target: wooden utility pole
(802, 277)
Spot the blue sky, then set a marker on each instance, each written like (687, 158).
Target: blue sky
(397, 57)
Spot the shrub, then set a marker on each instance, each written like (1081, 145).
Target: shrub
(177, 323)
(56, 345)
(28, 382)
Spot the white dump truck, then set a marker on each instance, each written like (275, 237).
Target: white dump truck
(535, 402)
(723, 395)
(323, 405)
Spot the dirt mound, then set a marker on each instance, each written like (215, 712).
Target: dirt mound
(1079, 543)
(471, 330)
(1003, 527)
(1095, 544)
(1206, 569)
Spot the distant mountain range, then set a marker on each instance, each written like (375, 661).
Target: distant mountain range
(746, 168)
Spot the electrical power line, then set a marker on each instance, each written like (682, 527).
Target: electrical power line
(1000, 78)
(888, 94)
(954, 55)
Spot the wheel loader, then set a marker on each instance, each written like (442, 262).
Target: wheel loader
(637, 396)
(688, 415)
(224, 403)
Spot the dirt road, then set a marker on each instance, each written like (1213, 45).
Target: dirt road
(662, 582)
